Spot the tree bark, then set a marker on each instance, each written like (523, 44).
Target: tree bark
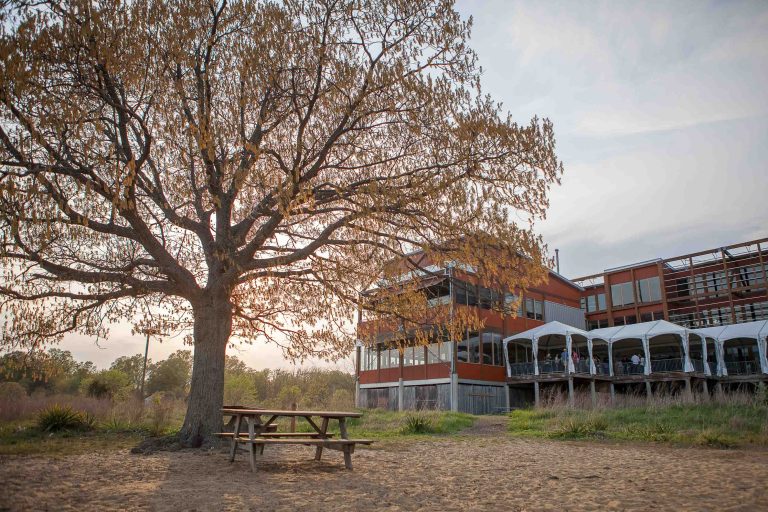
(212, 328)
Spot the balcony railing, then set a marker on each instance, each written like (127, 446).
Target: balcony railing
(516, 369)
(742, 367)
(628, 369)
(666, 365)
(581, 366)
(551, 367)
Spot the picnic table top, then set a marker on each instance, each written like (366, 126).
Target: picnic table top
(279, 412)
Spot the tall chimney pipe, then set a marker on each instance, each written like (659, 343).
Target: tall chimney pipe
(557, 260)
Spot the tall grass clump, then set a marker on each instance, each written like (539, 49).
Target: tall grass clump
(58, 418)
(418, 423)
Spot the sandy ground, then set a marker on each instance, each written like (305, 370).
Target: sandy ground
(480, 470)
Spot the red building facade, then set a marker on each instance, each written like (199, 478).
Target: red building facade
(708, 288)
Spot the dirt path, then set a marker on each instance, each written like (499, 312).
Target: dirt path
(470, 472)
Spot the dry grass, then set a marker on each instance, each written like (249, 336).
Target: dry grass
(733, 420)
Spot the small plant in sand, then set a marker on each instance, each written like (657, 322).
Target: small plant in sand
(57, 418)
(418, 423)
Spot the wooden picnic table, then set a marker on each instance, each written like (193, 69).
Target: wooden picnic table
(261, 432)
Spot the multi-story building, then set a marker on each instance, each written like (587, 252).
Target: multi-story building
(709, 288)
(719, 286)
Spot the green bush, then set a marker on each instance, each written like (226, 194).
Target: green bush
(12, 391)
(418, 423)
(107, 384)
(57, 418)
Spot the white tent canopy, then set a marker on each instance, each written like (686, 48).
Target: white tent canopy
(644, 332)
(750, 330)
(550, 328)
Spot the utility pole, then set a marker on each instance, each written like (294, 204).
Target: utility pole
(149, 331)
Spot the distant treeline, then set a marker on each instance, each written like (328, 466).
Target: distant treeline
(56, 372)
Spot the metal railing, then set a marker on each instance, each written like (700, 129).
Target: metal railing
(581, 366)
(666, 365)
(628, 369)
(551, 367)
(521, 369)
(742, 367)
(602, 368)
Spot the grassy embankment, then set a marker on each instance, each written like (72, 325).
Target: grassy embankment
(26, 437)
(721, 425)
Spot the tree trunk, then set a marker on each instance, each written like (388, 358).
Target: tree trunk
(213, 325)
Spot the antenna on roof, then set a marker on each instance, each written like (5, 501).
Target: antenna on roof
(557, 260)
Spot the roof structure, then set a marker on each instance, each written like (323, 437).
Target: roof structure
(638, 331)
(757, 330)
(547, 329)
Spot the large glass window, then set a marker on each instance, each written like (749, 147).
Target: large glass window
(369, 358)
(472, 344)
(649, 290)
(466, 294)
(534, 309)
(439, 353)
(462, 351)
(488, 298)
(600, 301)
(621, 294)
(389, 358)
(492, 348)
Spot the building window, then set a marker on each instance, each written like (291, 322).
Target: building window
(601, 302)
(413, 356)
(369, 358)
(439, 352)
(593, 303)
(492, 349)
(534, 309)
(596, 324)
(469, 349)
(621, 294)
(466, 294)
(649, 290)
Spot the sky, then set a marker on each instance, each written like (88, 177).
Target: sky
(660, 112)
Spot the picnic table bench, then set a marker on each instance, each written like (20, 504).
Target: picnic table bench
(261, 432)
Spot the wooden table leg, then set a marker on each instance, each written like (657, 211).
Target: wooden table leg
(234, 438)
(347, 449)
(323, 432)
(251, 446)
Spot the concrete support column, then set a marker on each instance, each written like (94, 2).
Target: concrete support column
(719, 389)
(454, 392)
(648, 390)
(613, 393)
(506, 397)
(400, 393)
(593, 392)
(705, 389)
(536, 398)
(358, 404)
(570, 392)
(688, 390)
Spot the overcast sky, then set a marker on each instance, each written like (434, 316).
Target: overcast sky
(661, 117)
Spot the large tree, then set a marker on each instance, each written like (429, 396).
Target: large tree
(247, 168)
